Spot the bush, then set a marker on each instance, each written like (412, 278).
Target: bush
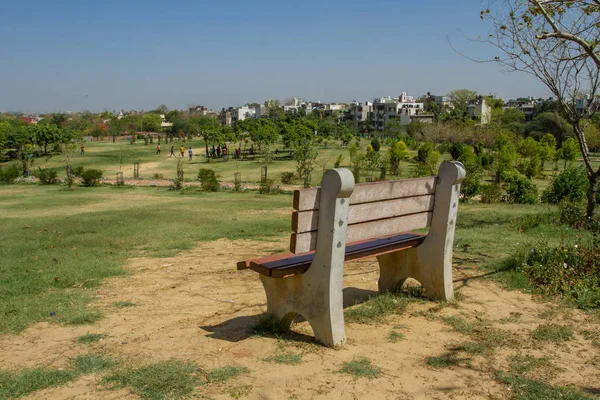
(91, 177)
(491, 194)
(158, 176)
(572, 213)
(572, 271)
(570, 185)
(520, 189)
(287, 178)
(46, 176)
(77, 171)
(10, 174)
(208, 180)
(376, 144)
(266, 187)
(338, 161)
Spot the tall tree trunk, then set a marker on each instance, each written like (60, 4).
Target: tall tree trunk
(591, 197)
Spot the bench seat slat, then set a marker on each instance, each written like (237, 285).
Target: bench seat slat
(282, 265)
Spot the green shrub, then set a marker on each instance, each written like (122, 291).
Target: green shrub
(158, 176)
(571, 185)
(208, 180)
(520, 189)
(572, 213)
(10, 174)
(376, 144)
(287, 178)
(77, 171)
(91, 177)
(46, 176)
(266, 187)
(338, 161)
(491, 194)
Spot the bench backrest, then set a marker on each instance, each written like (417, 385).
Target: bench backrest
(376, 209)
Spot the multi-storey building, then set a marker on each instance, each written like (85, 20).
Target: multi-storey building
(477, 109)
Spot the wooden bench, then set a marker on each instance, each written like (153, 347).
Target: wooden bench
(376, 219)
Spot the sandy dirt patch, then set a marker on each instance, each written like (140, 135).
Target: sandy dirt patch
(196, 306)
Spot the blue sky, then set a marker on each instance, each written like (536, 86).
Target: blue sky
(75, 55)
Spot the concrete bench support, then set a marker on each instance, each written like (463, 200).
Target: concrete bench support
(317, 294)
(431, 262)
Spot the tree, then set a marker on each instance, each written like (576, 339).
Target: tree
(557, 41)
(569, 151)
(549, 122)
(397, 152)
(208, 127)
(162, 109)
(547, 148)
(414, 129)
(44, 135)
(592, 137)
(393, 129)
(151, 123)
(460, 98)
(511, 115)
(263, 132)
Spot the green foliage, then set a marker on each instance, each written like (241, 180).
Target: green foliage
(208, 180)
(375, 144)
(444, 361)
(21, 383)
(123, 304)
(571, 184)
(151, 123)
(572, 213)
(427, 160)
(87, 364)
(395, 336)
(168, 379)
(338, 160)
(571, 271)
(549, 122)
(361, 368)
(91, 338)
(377, 307)
(505, 155)
(553, 333)
(91, 177)
(415, 129)
(471, 185)
(77, 171)
(46, 176)
(177, 184)
(520, 189)
(529, 389)
(82, 318)
(306, 157)
(225, 373)
(9, 174)
(269, 324)
(569, 150)
(285, 358)
(547, 150)
(511, 115)
(397, 153)
(288, 178)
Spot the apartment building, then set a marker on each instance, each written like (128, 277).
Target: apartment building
(478, 109)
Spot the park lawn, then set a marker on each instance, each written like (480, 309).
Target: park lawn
(59, 243)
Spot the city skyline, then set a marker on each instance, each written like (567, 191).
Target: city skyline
(73, 57)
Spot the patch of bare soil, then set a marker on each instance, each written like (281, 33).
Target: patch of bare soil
(196, 306)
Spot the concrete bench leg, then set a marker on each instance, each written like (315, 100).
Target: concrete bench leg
(431, 262)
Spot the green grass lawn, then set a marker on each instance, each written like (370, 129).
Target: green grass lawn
(57, 244)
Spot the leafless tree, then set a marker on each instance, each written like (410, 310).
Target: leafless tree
(558, 42)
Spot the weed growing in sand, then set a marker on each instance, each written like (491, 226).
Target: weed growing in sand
(87, 364)
(82, 318)
(520, 364)
(239, 391)
(553, 333)
(514, 317)
(268, 324)
(225, 373)
(524, 388)
(21, 383)
(461, 325)
(170, 379)
(471, 347)
(124, 304)
(91, 338)
(361, 368)
(377, 307)
(285, 358)
(395, 336)
(443, 361)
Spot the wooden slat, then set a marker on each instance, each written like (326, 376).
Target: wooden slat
(307, 221)
(304, 242)
(308, 199)
(282, 265)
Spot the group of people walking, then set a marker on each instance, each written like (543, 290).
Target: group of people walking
(181, 151)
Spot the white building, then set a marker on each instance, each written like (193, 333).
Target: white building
(404, 109)
(477, 109)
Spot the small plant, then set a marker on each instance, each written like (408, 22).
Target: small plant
(91, 177)
(520, 189)
(46, 176)
(91, 338)
(375, 144)
(361, 368)
(123, 304)
(266, 186)
(158, 176)
(208, 180)
(288, 178)
(171, 379)
(553, 333)
(177, 184)
(82, 318)
(523, 364)
(269, 324)
(395, 336)
(572, 213)
(77, 171)
(491, 194)
(376, 308)
(9, 174)
(338, 160)
(88, 364)
(239, 391)
(471, 347)
(285, 358)
(225, 373)
(21, 383)
(444, 361)
(569, 185)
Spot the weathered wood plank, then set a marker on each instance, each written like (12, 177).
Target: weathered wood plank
(304, 242)
(307, 221)
(308, 199)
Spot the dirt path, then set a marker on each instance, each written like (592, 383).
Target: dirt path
(196, 306)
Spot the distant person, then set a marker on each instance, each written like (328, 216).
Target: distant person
(212, 151)
(158, 149)
(172, 152)
(218, 151)
(82, 149)
(190, 153)
(182, 150)
(252, 149)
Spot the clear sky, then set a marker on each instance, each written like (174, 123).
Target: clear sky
(73, 55)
